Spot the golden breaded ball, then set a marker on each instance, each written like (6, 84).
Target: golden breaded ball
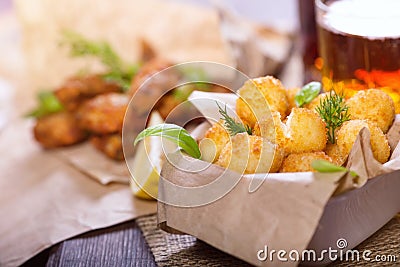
(306, 132)
(347, 134)
(272, 129)
(316, 101)
(255, 94)
(290, 95)
(219, 137)
(334, 152)
(373, 105)
(251, 154)
(302, 162)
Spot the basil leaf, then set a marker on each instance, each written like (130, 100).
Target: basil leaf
(174, 133)
(48, 104)
(307, 93)
(326, 167)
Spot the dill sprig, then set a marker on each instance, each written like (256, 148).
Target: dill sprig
(118, 71)
(334, 111)
(231, 125)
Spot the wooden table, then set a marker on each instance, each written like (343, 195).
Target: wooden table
(120, 245)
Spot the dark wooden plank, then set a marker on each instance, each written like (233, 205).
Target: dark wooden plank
(121, 245)
(38, 260)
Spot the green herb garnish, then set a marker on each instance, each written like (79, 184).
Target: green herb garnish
(196, 76)
(231, 125)
(307, 94)
(174, 133)
(182, 92)
(118, 71)
(326, 167)
(48, 104)
(334, 111)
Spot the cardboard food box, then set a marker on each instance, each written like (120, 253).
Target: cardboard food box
(295, 215)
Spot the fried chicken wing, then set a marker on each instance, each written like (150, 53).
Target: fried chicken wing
(57, 130)
(78, 89)
(110, 145)
(103, 114)
(146, 71)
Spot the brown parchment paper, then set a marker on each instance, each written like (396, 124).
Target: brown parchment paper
(93, 163)
(241, 223)
(283, 213)
(43, 200)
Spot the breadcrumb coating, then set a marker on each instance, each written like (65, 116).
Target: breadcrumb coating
(251, 154)
(316, 101)
(76, 90)
(334, 152)
(103, 114)
(373, 105)
(219, 137)
(302, 162)
(110, 145)
(260, 96)
(347, 134)
(290, 95)
(57, 130)
(272, 129)
(306, 132)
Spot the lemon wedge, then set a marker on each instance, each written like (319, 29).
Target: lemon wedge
(147, 162)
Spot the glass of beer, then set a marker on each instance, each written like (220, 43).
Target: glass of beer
(308, 40)
(359, 42)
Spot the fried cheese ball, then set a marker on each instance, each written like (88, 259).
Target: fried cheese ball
(290, 95)
(78, 89)
(272, 129)
(250, 154)
(334, 152)
(110, 145)
(57, 130)
(347, 134)
(255, 94)
(219, 137)
(306, 132)
(316, 101)
(103, 114)
(302, 162)
(373, 105)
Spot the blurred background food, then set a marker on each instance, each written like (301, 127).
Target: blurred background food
(178, 30)
(48, 41)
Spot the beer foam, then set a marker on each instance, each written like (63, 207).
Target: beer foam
(374, 19)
